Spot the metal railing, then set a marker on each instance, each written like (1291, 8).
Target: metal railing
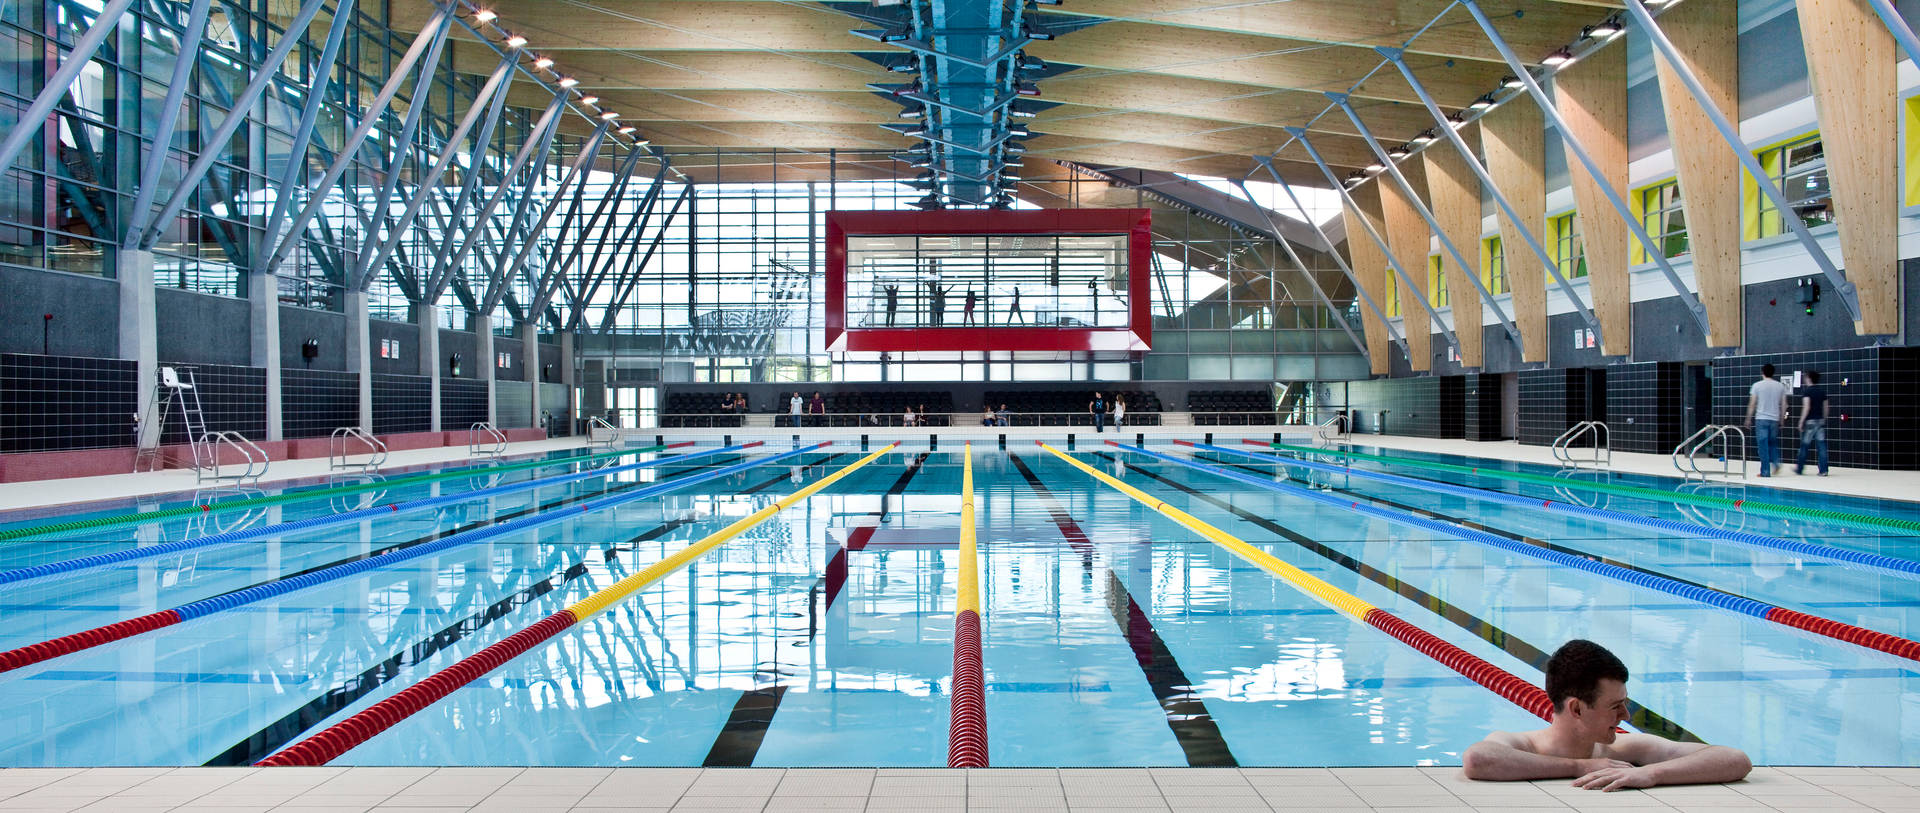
(208, 467)
(1337, 429)
(594, 424)
(339, 445)
(1686, 455)
(1602, 445)
(485, 441)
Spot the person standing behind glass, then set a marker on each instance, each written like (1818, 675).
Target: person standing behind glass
(1766, 403)
(893, 302)
(966, 312)
(1813, 423)
(1014, 308)
(939, 305)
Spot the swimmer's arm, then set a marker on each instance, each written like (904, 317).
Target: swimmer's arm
(1506, 756)
(1665, 762)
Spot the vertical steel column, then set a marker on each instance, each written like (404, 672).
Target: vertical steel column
(29, 124)
(1580, 152)
(303, 132)
(156, 163)
(1445, 125)
(588, 152)
(1274, 229)
(433, 282)
(1406, 280)
(1731, 135)
(433, 32)
(488, 101)
(238, 115)
(1360, 290)
(1460, 261)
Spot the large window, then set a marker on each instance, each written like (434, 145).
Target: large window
(1493, 266)
(1664, 218)
(1436, 282)
(1569, 252)
(1799, 169)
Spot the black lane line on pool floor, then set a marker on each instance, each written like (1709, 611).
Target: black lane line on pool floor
(836, 575)
(738, 742)
(1643, 718)
(1193, 726)
(277, 734)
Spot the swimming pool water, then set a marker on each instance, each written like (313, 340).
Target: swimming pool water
(822, 637)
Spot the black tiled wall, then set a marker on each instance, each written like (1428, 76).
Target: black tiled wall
(401, 403)
(1872, 389)
(463, 403)
(60, 403)
(231, 399)
(1426, 407)
(315, 402)
(1480, 418)
(1551, 401)
(1644, 406)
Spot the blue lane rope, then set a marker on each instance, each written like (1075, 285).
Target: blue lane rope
(1903, 567)
(168, 548)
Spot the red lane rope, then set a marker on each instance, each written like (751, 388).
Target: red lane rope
(967, 729)
(1503, 683)
(1903, 647)
(321, 748)
(28, 655)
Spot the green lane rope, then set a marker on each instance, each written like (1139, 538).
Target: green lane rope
(1866, 522)
(137, 517)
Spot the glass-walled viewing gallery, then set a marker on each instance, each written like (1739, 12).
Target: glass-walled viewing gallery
(1032, 280)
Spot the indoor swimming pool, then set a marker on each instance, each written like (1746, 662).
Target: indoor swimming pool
(1115, 632)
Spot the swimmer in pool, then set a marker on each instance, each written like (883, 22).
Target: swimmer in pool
(1588, 687)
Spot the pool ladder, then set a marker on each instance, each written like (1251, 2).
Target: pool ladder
(339, 449)
(612, 438)
(483, 440)
(1331, 431)
(1686, 455)
(1602, 445)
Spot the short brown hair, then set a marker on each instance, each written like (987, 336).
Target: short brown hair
(1576, 669)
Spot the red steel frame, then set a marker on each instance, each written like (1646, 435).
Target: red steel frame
(1135, 223)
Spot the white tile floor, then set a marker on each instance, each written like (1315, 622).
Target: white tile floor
(1402, 790)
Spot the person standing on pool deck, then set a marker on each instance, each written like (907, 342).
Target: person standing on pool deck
(1588, 687)
(1766, 403)
(1098, 406)
(1813, 423)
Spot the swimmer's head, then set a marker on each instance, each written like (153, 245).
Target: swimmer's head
(1588, 685)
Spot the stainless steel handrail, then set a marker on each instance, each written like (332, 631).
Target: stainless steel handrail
(256, 457)
(1689, 464)
(337, 451)
(483, 440)
(1562, 448)
(1323, 432)
(613, 432)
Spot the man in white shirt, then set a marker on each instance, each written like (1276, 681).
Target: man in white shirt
(793, 409)
(1766, 402)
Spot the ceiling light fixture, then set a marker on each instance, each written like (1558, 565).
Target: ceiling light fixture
(1398, 153)
(589, 99)
(628, 130)
(1560, 57)
(1607, 29)
(609, 115)
(516, 41)
(1423, 137)
(485, 15)
(568, 81)
(543, 62)
(1512, 82)
(1481, 103)
(1376, 167)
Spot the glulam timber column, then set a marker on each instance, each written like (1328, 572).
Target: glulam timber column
(1709, 172)
(1453, 195)
(1409, 238)
(1850, 60)
(1592, 96)
(1513, 138)
(1370, 268)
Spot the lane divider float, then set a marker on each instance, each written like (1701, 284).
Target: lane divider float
(68, 566)
(68, 644)
(210, 508)
(1838, 555)
(1838, 630)
(1506, 684)
(967, 722)
(1866, 522)
(325, 745)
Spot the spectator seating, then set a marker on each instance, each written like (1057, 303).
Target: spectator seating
(856, 409)
(696, 410)
(1231, 407)
(1045, 407)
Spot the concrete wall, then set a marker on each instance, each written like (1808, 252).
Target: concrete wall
(81, 307)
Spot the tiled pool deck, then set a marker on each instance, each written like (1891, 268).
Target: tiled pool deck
(1403, 790)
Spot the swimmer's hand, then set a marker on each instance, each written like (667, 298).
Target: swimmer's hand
(1608, 775)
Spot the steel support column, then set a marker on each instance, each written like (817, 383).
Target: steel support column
(57, 85)
(1579, 151)
(621, 177)
(588, 151)
(1406, 280)
(538, 139)
(396, 164)
(1274, 229)
(1730, 134)
(1444, 125)
(156, 163)
(1359, 290)
(1420, 207)
(303, 132)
